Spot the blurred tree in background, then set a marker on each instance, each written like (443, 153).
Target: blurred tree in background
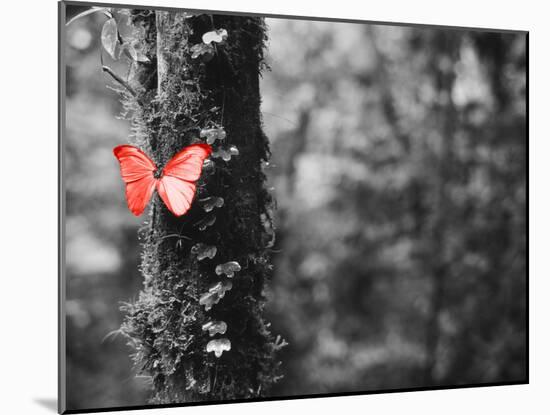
(399, 164)
(399, 169)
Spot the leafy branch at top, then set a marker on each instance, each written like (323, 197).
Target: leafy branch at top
(111, 37)
(105, 10)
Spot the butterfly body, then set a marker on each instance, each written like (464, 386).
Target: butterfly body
(157, 174)
(175, 183)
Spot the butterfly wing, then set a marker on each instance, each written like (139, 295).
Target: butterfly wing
(137, 172)
(177, 194)
(187, 164)
(177, 185)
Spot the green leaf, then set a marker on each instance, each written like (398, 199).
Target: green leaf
(206, 222)
(218, 346)
(217, 36)
(132, 52)
(220, 288)
(202, 50)
(228, 268)
(209, 203)
(141, 57)
(215, 293)
(203, 251)
(105, 10)
(226, 154)
(209, 299)
(208, 166)
(213, 134)
(129, 51)
(215, 327)
(109, 37)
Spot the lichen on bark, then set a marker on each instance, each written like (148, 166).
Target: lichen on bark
(177, 96)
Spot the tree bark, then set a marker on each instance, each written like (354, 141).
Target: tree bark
(178, 97)
(442, 67)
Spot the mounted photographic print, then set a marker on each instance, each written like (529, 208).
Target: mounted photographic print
(276, 207)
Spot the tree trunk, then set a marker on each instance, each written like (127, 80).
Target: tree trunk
(442, 67)
(187, 290)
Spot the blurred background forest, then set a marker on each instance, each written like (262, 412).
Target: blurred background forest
(399, 169)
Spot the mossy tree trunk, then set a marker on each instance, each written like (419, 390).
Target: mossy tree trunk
(186, 286)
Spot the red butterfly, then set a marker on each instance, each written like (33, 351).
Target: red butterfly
(175, 184)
